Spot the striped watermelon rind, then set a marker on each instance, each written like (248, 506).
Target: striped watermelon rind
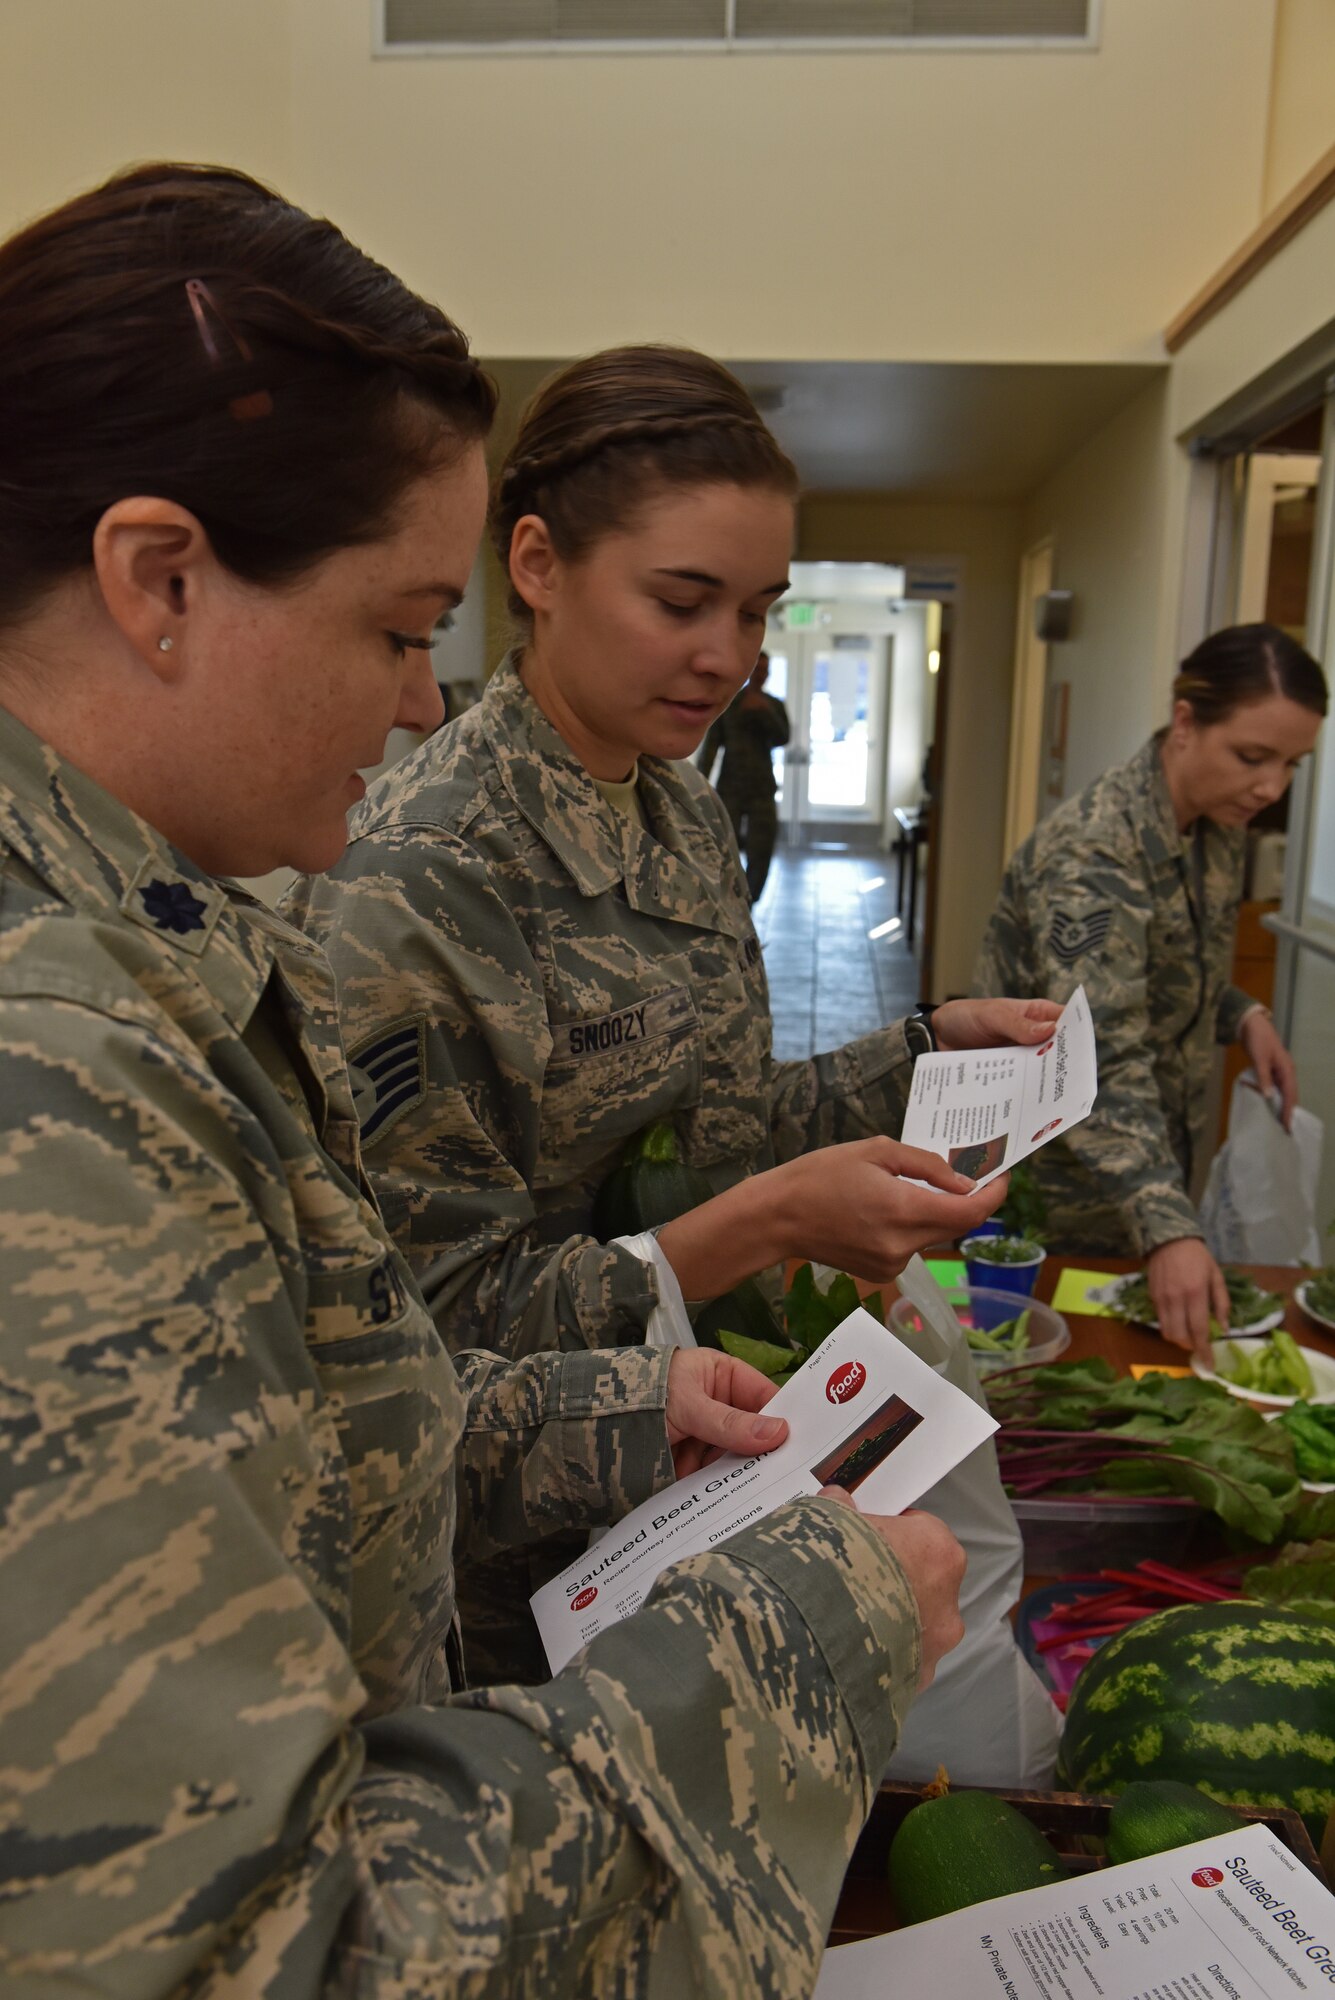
(1237, 1699)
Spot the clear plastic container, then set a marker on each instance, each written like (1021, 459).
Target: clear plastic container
(1069, 1535)
(985, 1308)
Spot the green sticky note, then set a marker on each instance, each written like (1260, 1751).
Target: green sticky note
(1073, 1289)
(947, 1270)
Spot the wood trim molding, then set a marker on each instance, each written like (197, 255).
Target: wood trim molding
(1283, 223)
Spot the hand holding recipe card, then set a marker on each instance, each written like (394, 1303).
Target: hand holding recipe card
(984, 1109)
(863, 1413)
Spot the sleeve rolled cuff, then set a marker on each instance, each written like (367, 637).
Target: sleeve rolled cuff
(1159, 1215)
(669, 1324)
(1234, 1007)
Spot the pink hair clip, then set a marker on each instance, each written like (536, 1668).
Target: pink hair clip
(255, 402)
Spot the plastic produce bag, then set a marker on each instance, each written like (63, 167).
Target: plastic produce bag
(986, 1716)
(1259, 1205)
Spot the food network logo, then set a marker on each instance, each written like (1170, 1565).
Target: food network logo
(1207, 1878)
(845, 1382)
(585, 1598)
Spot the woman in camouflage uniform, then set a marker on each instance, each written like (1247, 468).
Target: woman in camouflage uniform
(541, 931)
(1132, 890)
(240, 475)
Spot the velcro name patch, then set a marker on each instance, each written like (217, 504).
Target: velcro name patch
(601, 1034)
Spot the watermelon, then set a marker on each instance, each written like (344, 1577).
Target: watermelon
(1237, 1699)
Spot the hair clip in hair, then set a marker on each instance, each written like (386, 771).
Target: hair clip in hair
(254, 402)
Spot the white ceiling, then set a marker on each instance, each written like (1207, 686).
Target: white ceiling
(933, 430)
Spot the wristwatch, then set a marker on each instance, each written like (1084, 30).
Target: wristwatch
(918, 1030)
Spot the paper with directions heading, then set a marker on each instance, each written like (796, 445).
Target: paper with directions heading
(863, 1413)
(1234, 1917)
(984, 1109)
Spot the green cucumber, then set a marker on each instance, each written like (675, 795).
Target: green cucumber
(1154, 1814)
(964, 1848)
(650, 1185)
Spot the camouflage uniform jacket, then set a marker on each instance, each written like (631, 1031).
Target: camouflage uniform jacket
(747, 737)
(235, 1460)
(527, 978)
(1106, 892)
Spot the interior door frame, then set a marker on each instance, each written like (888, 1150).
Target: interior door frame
(1029, 689)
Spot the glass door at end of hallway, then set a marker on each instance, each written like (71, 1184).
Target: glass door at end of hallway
(836, 690)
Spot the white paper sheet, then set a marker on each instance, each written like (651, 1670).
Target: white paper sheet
(984, 1109)
(1235, 1917)
(862, 1390)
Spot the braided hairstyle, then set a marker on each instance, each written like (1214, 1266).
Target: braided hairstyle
(614, 431)
(1243, 664)
(182, 331)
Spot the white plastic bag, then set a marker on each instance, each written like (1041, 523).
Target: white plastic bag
(1259, 1205)
(986, 1716)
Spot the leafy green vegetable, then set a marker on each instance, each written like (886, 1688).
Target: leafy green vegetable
(1321, 1292)
(1025, 1210)
(1312, 1429)
(813, 1314)
(762, 1354)
(1003, 1250)
(1301, 1578)
(1160, 1435)
(1313, 1518)
(1247, 1303)
(1277, 1368)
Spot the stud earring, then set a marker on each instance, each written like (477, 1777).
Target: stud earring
(165, 643)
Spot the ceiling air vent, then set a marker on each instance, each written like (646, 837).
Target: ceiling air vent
(424, 27)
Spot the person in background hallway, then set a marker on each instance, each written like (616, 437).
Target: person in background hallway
(238, 1753)
(748, 733)
(1132, 891)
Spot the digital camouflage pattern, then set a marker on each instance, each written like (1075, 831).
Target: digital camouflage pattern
(527, 978)
(1106, 893)
(235, 1754)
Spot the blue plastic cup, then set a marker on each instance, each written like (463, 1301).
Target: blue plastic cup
(1017, 1278)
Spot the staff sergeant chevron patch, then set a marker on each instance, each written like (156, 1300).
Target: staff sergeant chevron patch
(1073, 937)
(388, 1075)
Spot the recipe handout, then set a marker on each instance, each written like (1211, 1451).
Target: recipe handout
(1234, 1917)
(863, 1413)
(984, 1109)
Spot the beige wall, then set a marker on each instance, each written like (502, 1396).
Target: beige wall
(1302, 93)
(1289, 303)
(993, 206)
(1105, 512)
(87, 86)
(882, 528)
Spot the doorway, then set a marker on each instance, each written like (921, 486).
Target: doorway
(835, 687)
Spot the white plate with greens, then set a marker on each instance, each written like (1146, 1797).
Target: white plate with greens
(1253, 1311)
(1303, 1293)
(1228, 1354)
(1308, 1485)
